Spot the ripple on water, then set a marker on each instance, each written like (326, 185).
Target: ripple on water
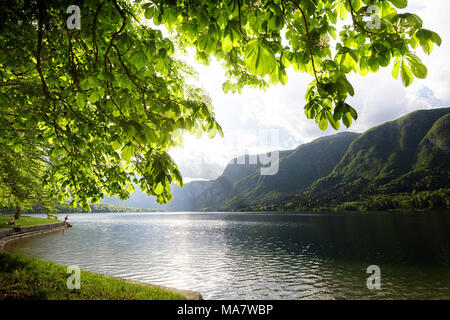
(270, 256)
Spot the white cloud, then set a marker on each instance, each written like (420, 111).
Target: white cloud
(435, 15)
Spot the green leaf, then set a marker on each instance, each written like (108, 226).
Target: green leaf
(283, 77)
(396, 69)
(335, 124)
(206, 44)
(81, 100)
(139, 59)
(149, 12)
(212, 131)
(418, 68)
(401, 4)
(230, 37)
(170, 17)
(131, 130)
(190, 32)
(127, 152)
(356, 4)
(219, 128)
(275, 75)
(347, 119)
(226, 86)
(436, 38)
(348, 86)
(352, 111)
(323, 124)
(94, 96)
(159, 188)
(406, 74)
(130, 188)
(387, 11)
(285, 61)
(116, 145)
(427, 38)
(259, 59)
(343, 12)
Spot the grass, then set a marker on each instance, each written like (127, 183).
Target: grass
(25, 221)
(30, 278)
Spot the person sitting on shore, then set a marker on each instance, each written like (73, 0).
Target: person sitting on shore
(66, 222)
(11, 222)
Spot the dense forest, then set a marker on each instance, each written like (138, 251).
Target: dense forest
(60, 208)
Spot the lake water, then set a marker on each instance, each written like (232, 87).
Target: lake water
(260, 255)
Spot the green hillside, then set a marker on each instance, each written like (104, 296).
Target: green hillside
(298, 169)
(388, 150)
(242, 184)
(223, 188)
(402, 164)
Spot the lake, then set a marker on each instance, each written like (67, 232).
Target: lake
(261, 255)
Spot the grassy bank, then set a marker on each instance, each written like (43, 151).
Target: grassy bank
(25, 221)
(30, 278)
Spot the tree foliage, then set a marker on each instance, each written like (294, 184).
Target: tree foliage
(107, 101)
(21, 171)
(258, 40)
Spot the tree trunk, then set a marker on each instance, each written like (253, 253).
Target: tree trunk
(18, 213)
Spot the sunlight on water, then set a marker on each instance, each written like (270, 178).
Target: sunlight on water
(260, 256)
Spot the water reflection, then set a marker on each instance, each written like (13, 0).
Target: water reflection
(261, 256)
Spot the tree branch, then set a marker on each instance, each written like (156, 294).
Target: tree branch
(94, 34)
(72, 60)
(39, 48)
(308, 35)
(240, 22)
(124, 22)
(356, 24)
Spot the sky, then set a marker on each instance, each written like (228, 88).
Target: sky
(247, 119)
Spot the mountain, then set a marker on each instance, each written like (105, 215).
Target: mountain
(183, 198)
(223, 187)
(298, 169)
(400, 164)
(242, 184)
